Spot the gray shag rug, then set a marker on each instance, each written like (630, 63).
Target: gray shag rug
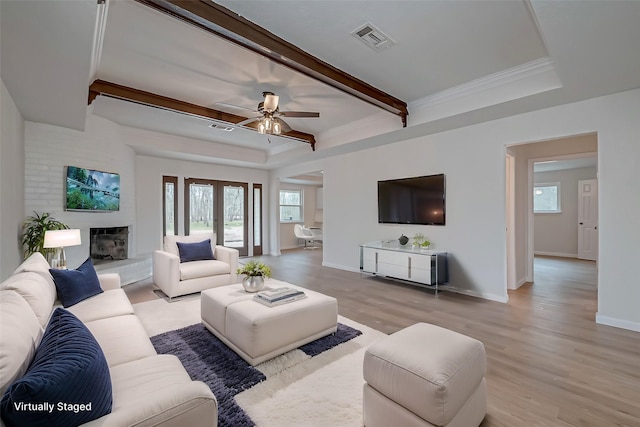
(209, 360)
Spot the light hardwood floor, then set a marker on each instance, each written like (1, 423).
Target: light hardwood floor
(549, 363)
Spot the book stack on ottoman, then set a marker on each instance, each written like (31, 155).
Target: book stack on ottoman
(259, 332)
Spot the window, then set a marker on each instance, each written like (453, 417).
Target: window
(291, 206)
(546, 198)
(170, 205)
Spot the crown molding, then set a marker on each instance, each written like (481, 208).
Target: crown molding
(98, 38)
(501, 78)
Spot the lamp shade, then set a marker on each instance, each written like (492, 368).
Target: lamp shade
(61, 238)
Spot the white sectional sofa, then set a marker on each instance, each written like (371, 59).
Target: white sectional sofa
(147, 389)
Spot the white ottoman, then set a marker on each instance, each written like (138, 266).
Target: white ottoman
(425, 375)
(257, 332)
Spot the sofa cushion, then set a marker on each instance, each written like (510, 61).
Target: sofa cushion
(199, 251)
(171, 242)
(157, 389)
(21, 333)
(197, 269)
(103, 306)
(68, 368)
(76, 285)
(37, 263)
(122, 338)
(35, 290)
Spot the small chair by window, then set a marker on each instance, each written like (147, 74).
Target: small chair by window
(303, 233)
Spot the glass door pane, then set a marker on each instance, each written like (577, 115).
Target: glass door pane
(170, 217)
(201, 208)
(257, 209)
(257, 219)
(234, 216)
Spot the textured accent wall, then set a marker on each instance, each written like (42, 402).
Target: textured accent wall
(48, 149)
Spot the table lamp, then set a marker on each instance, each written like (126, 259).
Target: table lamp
(58, 240)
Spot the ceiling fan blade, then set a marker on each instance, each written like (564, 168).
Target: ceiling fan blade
(235, 107)
(285, 126)
(249, 120)
(299, 114)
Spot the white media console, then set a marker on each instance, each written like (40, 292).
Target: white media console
(417, 266)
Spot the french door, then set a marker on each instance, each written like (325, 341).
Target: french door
(219, 207)
(257, 219)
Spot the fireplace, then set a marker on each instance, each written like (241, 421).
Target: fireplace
(108, 244)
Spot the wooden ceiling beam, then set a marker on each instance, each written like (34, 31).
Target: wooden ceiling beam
(212, 17)
(101, 87)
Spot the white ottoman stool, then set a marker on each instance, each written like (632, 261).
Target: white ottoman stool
(257, 332)
(425, 375)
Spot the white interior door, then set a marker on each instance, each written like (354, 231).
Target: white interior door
(588, 219)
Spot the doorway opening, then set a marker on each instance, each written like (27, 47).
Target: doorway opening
(544, 208)
(301, 206)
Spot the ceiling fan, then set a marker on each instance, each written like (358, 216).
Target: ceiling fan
(269, 116)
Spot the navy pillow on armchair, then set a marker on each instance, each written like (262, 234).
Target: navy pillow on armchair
(69, 372)
(199, 251)
(76, 285)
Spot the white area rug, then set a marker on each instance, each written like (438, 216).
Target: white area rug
(322, 391)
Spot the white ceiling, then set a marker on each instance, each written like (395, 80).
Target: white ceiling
(454, 63)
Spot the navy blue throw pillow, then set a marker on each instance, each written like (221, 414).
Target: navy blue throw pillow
(74, 286)
(67, 383)
(200, 251)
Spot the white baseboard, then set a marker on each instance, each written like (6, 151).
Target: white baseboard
(558, 254)
(340, 267)
(483, 295)
(519, 283)
(618, 323)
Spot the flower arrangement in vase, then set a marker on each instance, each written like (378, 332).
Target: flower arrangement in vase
(254, 274)
(421, 242)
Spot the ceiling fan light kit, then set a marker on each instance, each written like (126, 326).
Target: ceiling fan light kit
(269, 121)
(270, 103)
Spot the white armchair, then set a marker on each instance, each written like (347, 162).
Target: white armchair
(304, 233)
(175, 278)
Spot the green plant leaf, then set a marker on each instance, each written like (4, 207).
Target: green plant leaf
(34, 228)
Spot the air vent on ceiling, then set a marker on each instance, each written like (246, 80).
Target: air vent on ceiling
(221, 127)
(373, 37)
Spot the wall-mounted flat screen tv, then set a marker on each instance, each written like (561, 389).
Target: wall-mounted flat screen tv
(418, 200)
(89, 190)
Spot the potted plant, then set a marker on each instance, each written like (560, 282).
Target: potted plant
(34, 228)
(418, 238)
(421, 242)
(254, 274)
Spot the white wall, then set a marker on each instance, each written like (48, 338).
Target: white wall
(149, 172)
(11, 183)
(473, 160)
(474, 232)
(556, 234)
(288, 239)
